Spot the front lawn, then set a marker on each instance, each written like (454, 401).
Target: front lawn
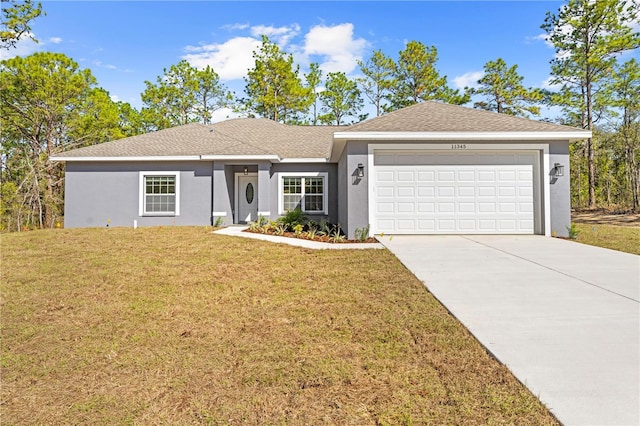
(180, 326)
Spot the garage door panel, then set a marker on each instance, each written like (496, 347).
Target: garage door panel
(466, 191)
(486, 207)
(507, 175)
(405, 176)
(466, 176)
(426, 191)
(446, 207)
(487, 176)
(406, 191)
(526, 207)
(526, 225)
(406, 208)
(461, 198)
(382, 208)
(507, 191)
(446, 176)
(384, 176)
(486, 191)
(406, 224)
(487, 225)
(446, 191)
(426, 225)
(385, 192)
(426, 176)
(426, 207)
(467, 225)
(525, 191)
(466, 207)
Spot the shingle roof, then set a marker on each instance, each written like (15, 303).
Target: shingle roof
(246, 136)
(258, 137)
(431, 116)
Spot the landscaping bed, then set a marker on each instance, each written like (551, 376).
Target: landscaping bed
(294, 224)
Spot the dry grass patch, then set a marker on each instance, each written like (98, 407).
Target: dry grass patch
(181, 326)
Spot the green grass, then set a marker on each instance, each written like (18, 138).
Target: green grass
(181, 326)
(621, 238)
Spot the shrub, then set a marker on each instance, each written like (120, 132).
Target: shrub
(573, 231)
(292, 218)
(362, 234)
(336, 235)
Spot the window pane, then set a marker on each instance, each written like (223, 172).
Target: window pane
(160, 194)
(313, 203)
(292, 185)
(291, 202)
(313, 186)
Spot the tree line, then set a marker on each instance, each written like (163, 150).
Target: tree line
(48, 104)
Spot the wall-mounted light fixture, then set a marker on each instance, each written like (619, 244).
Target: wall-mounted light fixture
(246, 170)
(558, 170)
(360, 170)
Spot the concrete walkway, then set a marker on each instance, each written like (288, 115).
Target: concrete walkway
(562, 316)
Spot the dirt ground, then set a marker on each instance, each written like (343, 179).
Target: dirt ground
(603, 217)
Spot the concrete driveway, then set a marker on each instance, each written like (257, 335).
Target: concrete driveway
(563, 316)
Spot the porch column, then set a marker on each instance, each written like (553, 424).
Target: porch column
(221, 202)
(264, 189)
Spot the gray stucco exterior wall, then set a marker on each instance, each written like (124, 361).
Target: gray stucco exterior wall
(357, 192)
(560, 190)
(98, 194)
(331, 191)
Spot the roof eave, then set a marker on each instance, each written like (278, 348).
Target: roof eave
(271, 158)
(478, 136)
(127, 159)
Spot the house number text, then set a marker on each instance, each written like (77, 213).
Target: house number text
(458, 146)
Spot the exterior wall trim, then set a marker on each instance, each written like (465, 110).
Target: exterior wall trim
(270, 157)
(325, 198)
(141, 189)
(545, 170)
(305, 160)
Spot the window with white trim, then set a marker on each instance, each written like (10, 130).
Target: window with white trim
(306, 191)
(159, 193)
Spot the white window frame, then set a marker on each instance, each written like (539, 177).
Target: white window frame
(141, 194)
(325, 194)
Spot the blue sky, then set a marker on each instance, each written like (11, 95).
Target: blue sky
(125, 43)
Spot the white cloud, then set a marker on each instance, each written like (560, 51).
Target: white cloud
(280, 35)
(99, 63)
(469, 79)
(24, 47)
(543, 37)
(234, 27)
(336, 45)
(115, 98)
(230, 59)
(224, 114)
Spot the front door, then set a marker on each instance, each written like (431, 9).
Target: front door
(247, 198)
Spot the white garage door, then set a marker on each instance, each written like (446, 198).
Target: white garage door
(457, 198)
